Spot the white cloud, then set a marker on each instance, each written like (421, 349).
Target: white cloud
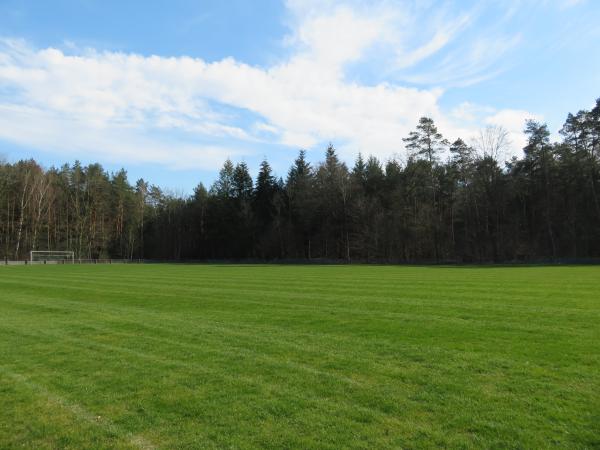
(470, 112)
(439, 40)
(127, 96)
(470, 64)
(185, 111)
(117, 144)
(571, 3)
(513, 121)
(338, 38)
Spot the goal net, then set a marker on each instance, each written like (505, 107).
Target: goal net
(52, 256)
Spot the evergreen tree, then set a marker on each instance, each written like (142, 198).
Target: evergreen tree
(426, 141)
(544, 204)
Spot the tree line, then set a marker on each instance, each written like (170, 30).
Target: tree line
(448, 201)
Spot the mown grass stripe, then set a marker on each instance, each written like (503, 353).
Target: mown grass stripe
(303, 356)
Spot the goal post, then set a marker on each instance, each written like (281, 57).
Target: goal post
(54, 256)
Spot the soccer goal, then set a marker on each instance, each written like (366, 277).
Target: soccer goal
(52, 256)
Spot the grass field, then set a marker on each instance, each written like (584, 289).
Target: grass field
(201, 356)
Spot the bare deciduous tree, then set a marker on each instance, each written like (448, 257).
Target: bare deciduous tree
(492, 142)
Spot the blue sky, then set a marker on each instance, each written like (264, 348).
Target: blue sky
(169, 90)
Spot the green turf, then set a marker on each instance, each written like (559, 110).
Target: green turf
(199, 356)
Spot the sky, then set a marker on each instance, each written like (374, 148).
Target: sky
(169, 90)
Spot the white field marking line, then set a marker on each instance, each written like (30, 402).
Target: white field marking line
(78, 411)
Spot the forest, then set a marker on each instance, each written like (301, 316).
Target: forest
(445, 202)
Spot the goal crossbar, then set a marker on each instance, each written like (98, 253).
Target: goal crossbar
(50, 255)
